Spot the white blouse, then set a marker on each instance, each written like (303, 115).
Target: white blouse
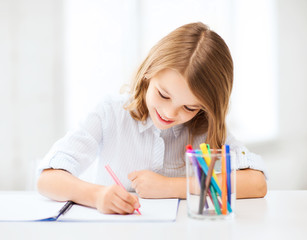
(110, 134)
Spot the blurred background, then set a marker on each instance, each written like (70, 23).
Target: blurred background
(59, 57)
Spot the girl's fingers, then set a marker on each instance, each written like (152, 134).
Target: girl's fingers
(114, 209)
(132, 175)
(115, 199)
(121, 206)
(128, 198)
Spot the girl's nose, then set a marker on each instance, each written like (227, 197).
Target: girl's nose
(171, 112)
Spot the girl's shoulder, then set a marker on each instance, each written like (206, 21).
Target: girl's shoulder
(112, 107)
(112, 102)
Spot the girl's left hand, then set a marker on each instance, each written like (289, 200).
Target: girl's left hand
(148, 184)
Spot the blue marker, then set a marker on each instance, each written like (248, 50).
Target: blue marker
(228, 170)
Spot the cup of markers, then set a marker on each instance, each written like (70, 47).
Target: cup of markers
(211, 182)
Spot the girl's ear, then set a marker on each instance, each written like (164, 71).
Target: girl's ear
(146, 77)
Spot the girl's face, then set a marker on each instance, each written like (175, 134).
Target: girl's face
(169, 100)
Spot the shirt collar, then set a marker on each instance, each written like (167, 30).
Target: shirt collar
(143, 126)
(177, 129)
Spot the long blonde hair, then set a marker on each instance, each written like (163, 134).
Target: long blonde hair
(204, 60)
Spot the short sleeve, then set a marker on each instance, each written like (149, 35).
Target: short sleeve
(79, 147)
(245, 158)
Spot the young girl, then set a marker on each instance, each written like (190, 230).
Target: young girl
(179, 96)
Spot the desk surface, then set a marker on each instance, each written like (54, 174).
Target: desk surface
(280, 215)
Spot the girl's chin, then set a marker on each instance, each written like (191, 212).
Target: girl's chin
(163, 127)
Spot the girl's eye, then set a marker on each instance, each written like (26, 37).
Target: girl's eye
(162, 96)
(189, 109)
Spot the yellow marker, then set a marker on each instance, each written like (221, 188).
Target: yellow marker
(207, 157)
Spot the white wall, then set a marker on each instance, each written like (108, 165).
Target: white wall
(255, 87)
(286, 156)
(31, 90)
(101, 51)
(33, 80)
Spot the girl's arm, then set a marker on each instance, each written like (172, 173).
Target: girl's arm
(60, 185)
(250, 184)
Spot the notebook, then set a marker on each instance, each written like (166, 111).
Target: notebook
(30, 206)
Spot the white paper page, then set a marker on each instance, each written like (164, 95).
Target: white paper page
(26, 206)
(31, 206)
(152, 210)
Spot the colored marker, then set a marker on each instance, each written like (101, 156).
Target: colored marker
(224, 182)
(202, 193)
(228, 169)
(205, 168)
(201, 178)
(205, 148)
(194, 161)
(208, 171)
(215, 192)
(215, 200)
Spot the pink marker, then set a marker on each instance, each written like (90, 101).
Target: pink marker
(115, 178)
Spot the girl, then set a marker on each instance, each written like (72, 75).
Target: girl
(179, 96)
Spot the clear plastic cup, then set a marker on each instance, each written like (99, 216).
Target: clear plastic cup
(211, 198)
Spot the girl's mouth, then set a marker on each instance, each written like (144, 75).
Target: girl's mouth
(163, 120)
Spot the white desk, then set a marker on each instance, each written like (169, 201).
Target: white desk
(280, 215)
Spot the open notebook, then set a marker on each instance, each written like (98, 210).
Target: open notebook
(30, 206)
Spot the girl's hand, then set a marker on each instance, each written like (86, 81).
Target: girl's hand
(114, 199)
(148, 184)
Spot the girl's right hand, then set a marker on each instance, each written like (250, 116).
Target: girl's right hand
(114, 199)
